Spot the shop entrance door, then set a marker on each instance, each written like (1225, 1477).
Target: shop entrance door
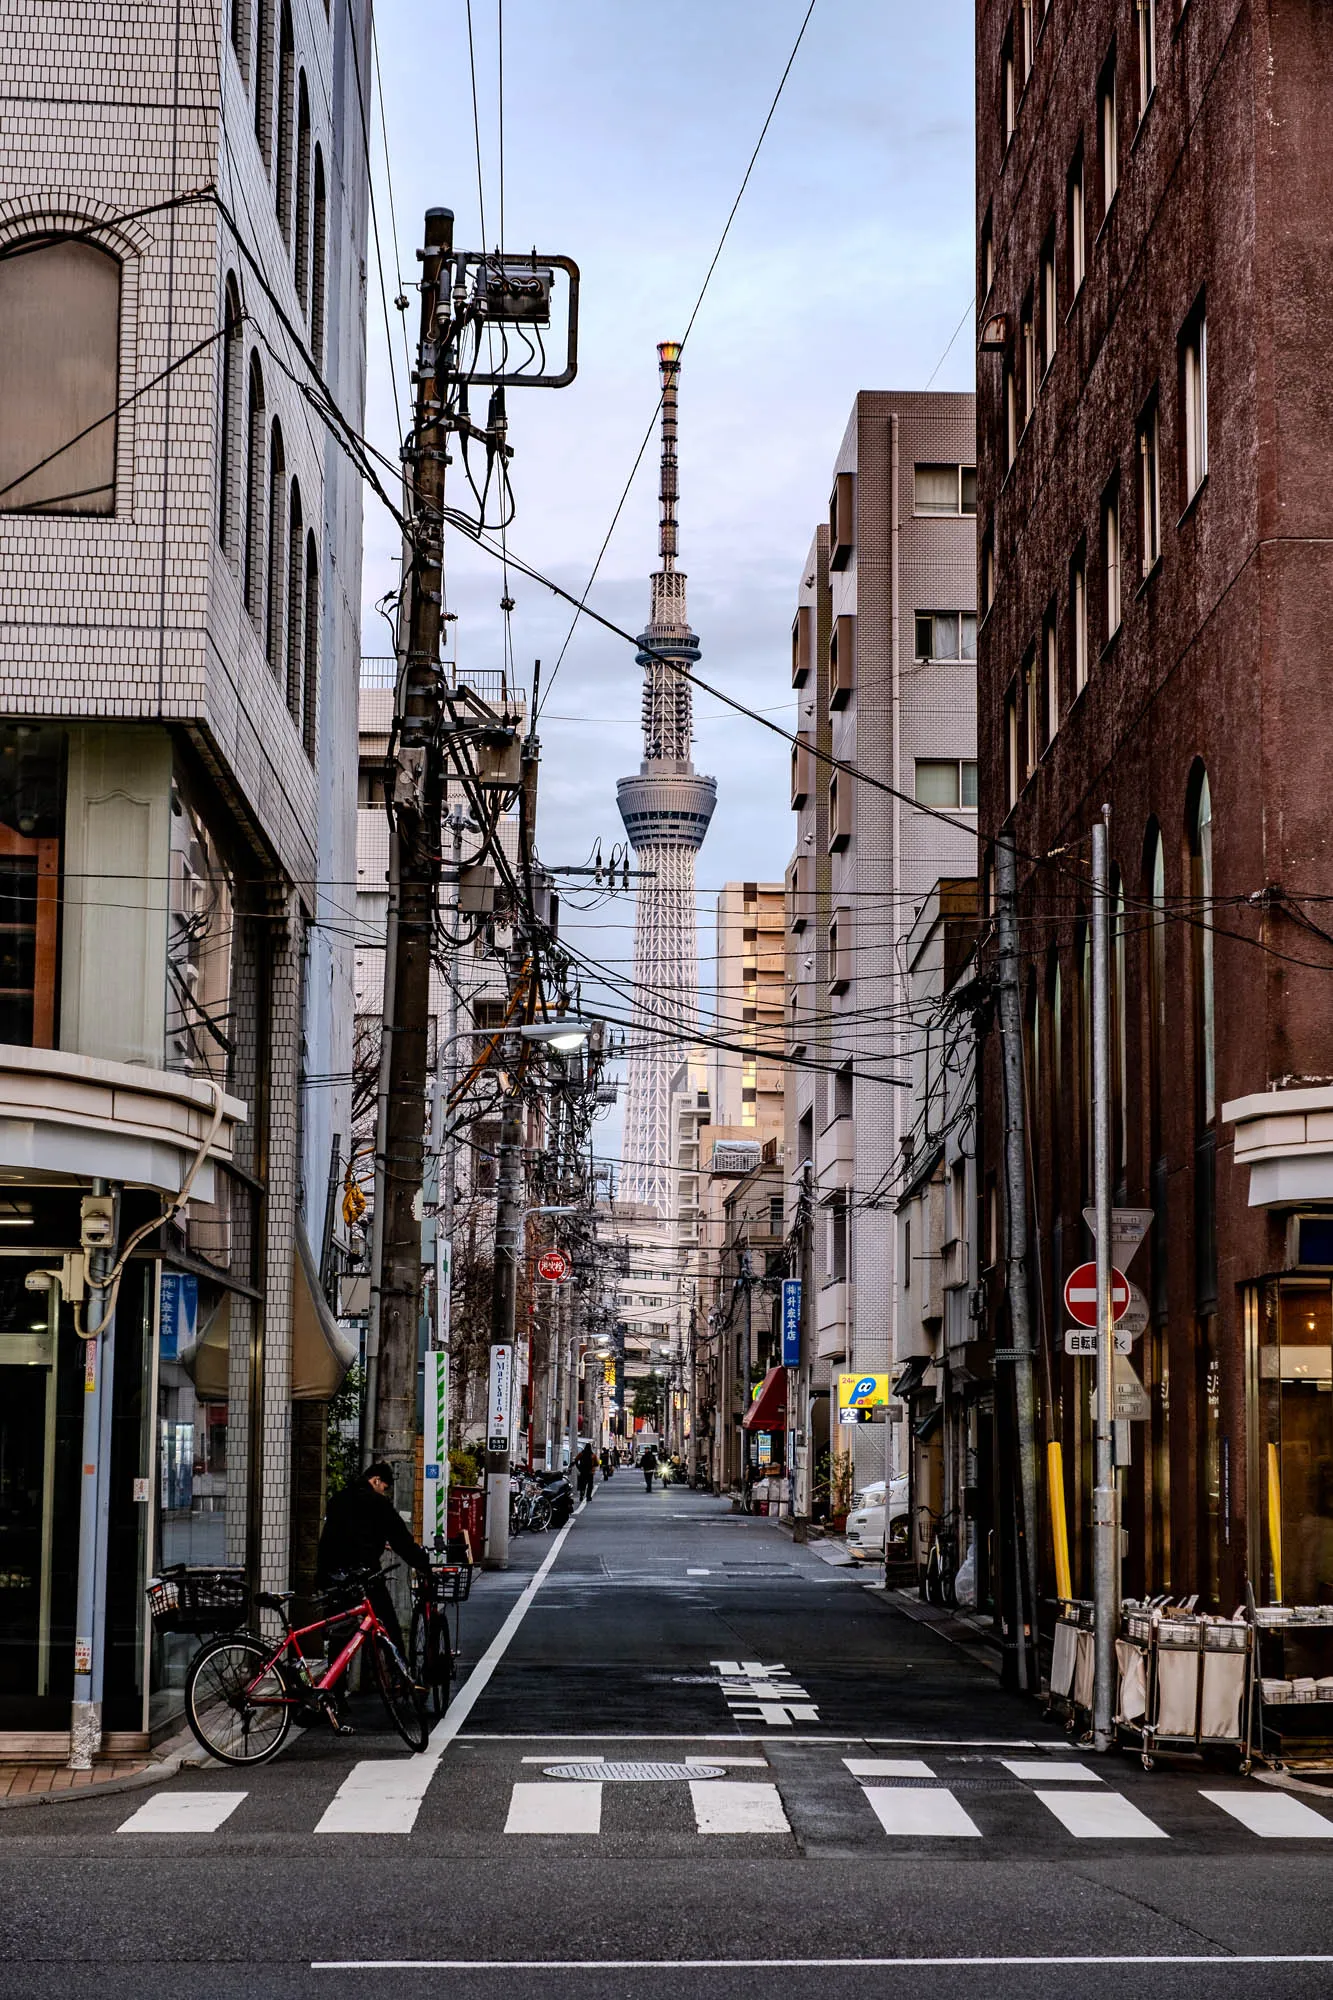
(38, 1478)
(1295, 1471)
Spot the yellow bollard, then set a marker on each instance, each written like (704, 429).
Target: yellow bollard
(1055, 1480)
(1275, 1519)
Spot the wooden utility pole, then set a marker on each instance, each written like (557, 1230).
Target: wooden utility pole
(417, 799)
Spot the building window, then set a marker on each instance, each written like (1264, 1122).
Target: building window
(839, 1217)
(229, 418)
(32, 814)
(1032, 711)
(1026, 23)
(945, 489)
(1111, 559)
(1194, 400)
(1201, 869)
(1008, 89)
(1150, 491)
(60, 365)
(1146, 14)
(1029, 363)
(277, 550)
(1050, 304)
(264, 78)
(1106, 125)
(843, 1089)
(987, 571)
(1011, 742)
(1010, 415)
(295, 603)
(301, 252)
(947, 783)
(986, 267)
(946, 635)
(1078, 617)
(1051, 660)
(1076, 225)
(282, 179)
(255, 481)
(318, 242)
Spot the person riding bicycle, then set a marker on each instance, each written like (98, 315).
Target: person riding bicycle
(358, 1523)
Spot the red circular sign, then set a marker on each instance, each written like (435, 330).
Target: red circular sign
(553, 1265)
(1081, 1295)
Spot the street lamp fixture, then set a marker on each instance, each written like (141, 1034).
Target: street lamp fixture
(563, 1036)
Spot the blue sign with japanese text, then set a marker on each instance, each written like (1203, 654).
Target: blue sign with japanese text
(178, 1315)
(791, 1322)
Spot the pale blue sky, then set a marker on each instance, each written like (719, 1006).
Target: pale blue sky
(627, 130)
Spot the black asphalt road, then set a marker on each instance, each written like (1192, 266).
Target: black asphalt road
(667, 1630)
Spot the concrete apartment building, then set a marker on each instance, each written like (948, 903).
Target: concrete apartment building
(883, 664)
(749, 995)
(182, 234)
(1157, 521)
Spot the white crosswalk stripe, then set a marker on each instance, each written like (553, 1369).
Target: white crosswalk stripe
(1103, 1816)
(182, 1812)
(570, 1805)
(733, 1805)
(1273, 1815)
(903, 1810)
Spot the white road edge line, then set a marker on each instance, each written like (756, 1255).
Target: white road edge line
(382, 1795)
(808, 1964)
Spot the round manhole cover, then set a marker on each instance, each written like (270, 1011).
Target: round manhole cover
(637, 1774)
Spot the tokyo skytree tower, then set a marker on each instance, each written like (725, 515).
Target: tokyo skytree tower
(666, 810)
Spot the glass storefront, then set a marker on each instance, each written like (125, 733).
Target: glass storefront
(1292, 1481)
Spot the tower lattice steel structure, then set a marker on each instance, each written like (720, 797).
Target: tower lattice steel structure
(666, 809)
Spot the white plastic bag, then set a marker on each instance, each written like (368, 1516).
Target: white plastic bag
(965, 1582)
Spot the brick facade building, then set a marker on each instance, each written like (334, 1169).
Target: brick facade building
(1155, 513)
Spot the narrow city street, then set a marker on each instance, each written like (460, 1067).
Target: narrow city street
(686, 1755)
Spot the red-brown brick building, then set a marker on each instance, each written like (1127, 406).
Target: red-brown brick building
(1155, 519)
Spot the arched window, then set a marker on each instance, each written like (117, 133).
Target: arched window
(1119, 1036)
(60, 366)
(229, 415)
(301, 258)
(282, 180)
(277, 549)
(309, 717)
(1201, 893)
(318, 253)
(264, 78)
(295, 603)
(254, 492)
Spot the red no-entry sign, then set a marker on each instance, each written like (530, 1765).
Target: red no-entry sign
(553, 1265)
(1081, 1295)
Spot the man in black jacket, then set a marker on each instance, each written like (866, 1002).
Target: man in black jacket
(359, 1522)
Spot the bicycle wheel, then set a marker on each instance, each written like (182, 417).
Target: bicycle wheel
(236, 1701)
(406, 1709)
(428, 1657)
(934, 1578)
(541, 1514)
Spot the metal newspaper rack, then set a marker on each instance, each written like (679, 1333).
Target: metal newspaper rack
(1186, 1681)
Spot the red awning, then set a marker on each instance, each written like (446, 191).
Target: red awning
(768, 1411)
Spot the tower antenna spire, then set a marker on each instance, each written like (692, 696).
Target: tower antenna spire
(666, 808)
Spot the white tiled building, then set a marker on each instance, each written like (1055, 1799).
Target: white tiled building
(182, 279)
(884, 667)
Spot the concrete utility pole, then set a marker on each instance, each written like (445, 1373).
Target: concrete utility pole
(85, 1732)
(504, 1300)
(1019, 1352)
(1105, 1512)
(417, 798)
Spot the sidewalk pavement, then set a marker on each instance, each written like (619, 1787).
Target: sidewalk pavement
(53, 1784)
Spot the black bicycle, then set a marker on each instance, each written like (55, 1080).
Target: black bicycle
(431, 1650)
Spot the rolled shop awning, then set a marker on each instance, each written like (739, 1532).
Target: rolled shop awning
(321, 1352)
(768, 1411)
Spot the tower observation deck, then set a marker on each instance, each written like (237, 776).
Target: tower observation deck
(666, 808)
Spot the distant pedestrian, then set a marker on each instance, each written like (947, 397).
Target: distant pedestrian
(586, 1465)
(648, 1466)
(608, 1463)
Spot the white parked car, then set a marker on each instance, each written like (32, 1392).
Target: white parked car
(866, 1521)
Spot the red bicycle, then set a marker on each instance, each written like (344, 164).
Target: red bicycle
(242, 1693)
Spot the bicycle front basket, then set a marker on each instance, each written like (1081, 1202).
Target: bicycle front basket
(451, 1582)
(198, 1600)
